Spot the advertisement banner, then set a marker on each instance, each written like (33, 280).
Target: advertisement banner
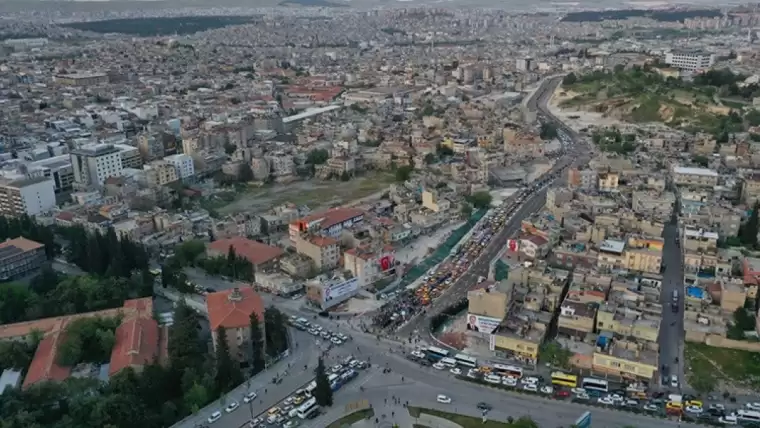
(337, 291)
(492, 343)
(512, 245)
(386, 263)
(482, 323)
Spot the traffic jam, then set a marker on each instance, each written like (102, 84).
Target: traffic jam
(436, 282)
(587, 390)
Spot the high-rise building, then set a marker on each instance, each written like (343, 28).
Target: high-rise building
(32, 196)
(94, 163)
(690, 61)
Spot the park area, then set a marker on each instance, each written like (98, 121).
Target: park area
(711, 369)
(314, 194)
(463, 421)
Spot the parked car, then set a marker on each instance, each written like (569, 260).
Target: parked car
(443, 399)
(214, 417)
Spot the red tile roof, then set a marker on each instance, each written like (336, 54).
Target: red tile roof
(332, 217)
(256, 252)
(137, 338)
(22, 244)
(43, 366)
(227, 310)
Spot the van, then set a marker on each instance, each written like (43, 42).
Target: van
(675, 295)
(293, 413)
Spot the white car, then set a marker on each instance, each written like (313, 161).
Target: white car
(493, 378)
(606, 400)
(508, 381)
(753, 406)
(695, 410)
(546, 389)
(651, 408)
(439, 366)
(472, 373)
(674, 381)
(456, 371)
(232, 407)
(443, 399)
(578, 391)
(529, 380)
(290, 424)
(616, 397)
(530, 387)
(336, 341)
(730, 419)
(214, 417)
(249, 397)
(418, 354)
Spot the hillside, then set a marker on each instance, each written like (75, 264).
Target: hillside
(712, 103)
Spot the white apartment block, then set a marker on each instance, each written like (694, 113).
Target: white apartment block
(183, 164)
(690, 61)
(94, 163)
(130, 156)
(32, 196)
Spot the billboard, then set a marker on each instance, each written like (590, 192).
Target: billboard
(512, 245)
(342, 290)
(482, 323)
(386, 262)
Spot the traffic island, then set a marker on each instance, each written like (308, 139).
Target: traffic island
(352, 418)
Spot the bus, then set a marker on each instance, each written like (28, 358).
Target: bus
(308, 408)
(595, 384)
(564, 379)
(503, 370)
(435, 354)
(466, 361)
(448, 362)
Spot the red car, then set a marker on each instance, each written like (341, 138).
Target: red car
(562, 393)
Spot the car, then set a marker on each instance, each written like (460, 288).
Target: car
(649, 407)
(439, 366)
(631, 403)
(288, 401)
(336, 368)
(582, 396)
(508, 381)
(249, 397)
(730, 419)
(717, 406)
(530, 387)
(753, 406)
(214, 417)
(695, 410)
(547, 389)
(418, 354)
(674, 381)
(290, 424)
(606, 400)
(492, 378)
(529, 380)
(232, 407)
(336, 341)
(443, 399)
(456, 371)
(578, 391)
(616, 397)
(562, 393)
(484, 406)
(472, 374)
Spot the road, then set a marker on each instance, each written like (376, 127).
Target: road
(532, 203)
(672, 327)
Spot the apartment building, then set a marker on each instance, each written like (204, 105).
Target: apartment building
(611, 255)
(433, 202)
(94, 163)
(608, 182)
(328, 223)
(699, 240)
(56, 168)
(323, 251)
(577, 319)
(696, 177)
(654, 204)
(81, 79)
(750, 189)
(183, 164)
(628, 360)
(31, 196)
(644, 254)
(19, 257)
(130, 156)
(159, 173)
(690, 61)
(231, 310)
(262, 256)
(369, 265)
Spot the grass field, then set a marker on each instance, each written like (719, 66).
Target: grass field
(733, 366)
(314, 194)
(469, 421)
(351, 418)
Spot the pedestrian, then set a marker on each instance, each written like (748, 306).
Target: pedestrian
(386, 401)
(265, 390)
(393, 414)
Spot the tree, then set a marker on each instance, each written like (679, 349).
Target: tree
(480, 199)
(404, 172)
(466, 209)
(323, 393)
(345, 176)
(275, 331)
(700, 160)
(548, 131)
(748, 230)
(245, 173)
(257, 345)
(570, 79)
(555, 354)
(317, 156)
(88, 340)
(227, 375)
(186, 351)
